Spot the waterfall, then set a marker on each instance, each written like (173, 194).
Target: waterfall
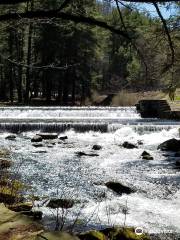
(81, 119)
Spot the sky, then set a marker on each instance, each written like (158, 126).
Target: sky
(151, 9)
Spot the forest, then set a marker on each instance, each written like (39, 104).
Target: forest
(105, 47)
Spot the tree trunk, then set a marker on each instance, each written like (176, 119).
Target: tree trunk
(29, 55)
(10, 66)
(73, 88)
(66, 88)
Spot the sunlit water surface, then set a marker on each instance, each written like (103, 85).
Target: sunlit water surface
(57, 171)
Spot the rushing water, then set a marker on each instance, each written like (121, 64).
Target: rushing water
(56, 170)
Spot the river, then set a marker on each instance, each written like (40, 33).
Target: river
(55, 170)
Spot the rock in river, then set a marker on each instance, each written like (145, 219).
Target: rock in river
(119, 188)
(129, 145)
(81, 154)
(11, 137)
(146, 156)
(96, 147)
(170, 145)
(37, 145)
(63, 138)
(47, 136)
(36, 138)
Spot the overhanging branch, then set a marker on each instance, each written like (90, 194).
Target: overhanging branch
(6, 2)
(171, 46)
(65, 16)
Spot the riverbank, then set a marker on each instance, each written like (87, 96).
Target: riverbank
(123, 98)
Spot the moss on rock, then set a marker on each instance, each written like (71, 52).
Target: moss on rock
(92, 235)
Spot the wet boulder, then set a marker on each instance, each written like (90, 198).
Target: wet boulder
(170, 145)
(129, 145)
(11, 137)
(61, 203)
(63, 138)
(146, 156)
(81, 154)
(36, 138)
(119, 188)
(47, 136)
(97, 147)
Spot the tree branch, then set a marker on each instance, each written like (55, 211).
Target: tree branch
(6, 2)
(171, 46)
(11, 2)
(64, 4)
(65, 16)
(132, 42)
(35, 67)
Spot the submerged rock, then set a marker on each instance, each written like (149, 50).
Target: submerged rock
(146, 156)
(170, 145)
(4, 163)
(129, 145)
(119, 188)
(61, 203)
(81, 154)
(47, 136)
(37, 145)
(36, 138)
(11, 137)
(97, 147)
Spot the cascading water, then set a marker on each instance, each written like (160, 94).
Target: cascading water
(57, 169)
